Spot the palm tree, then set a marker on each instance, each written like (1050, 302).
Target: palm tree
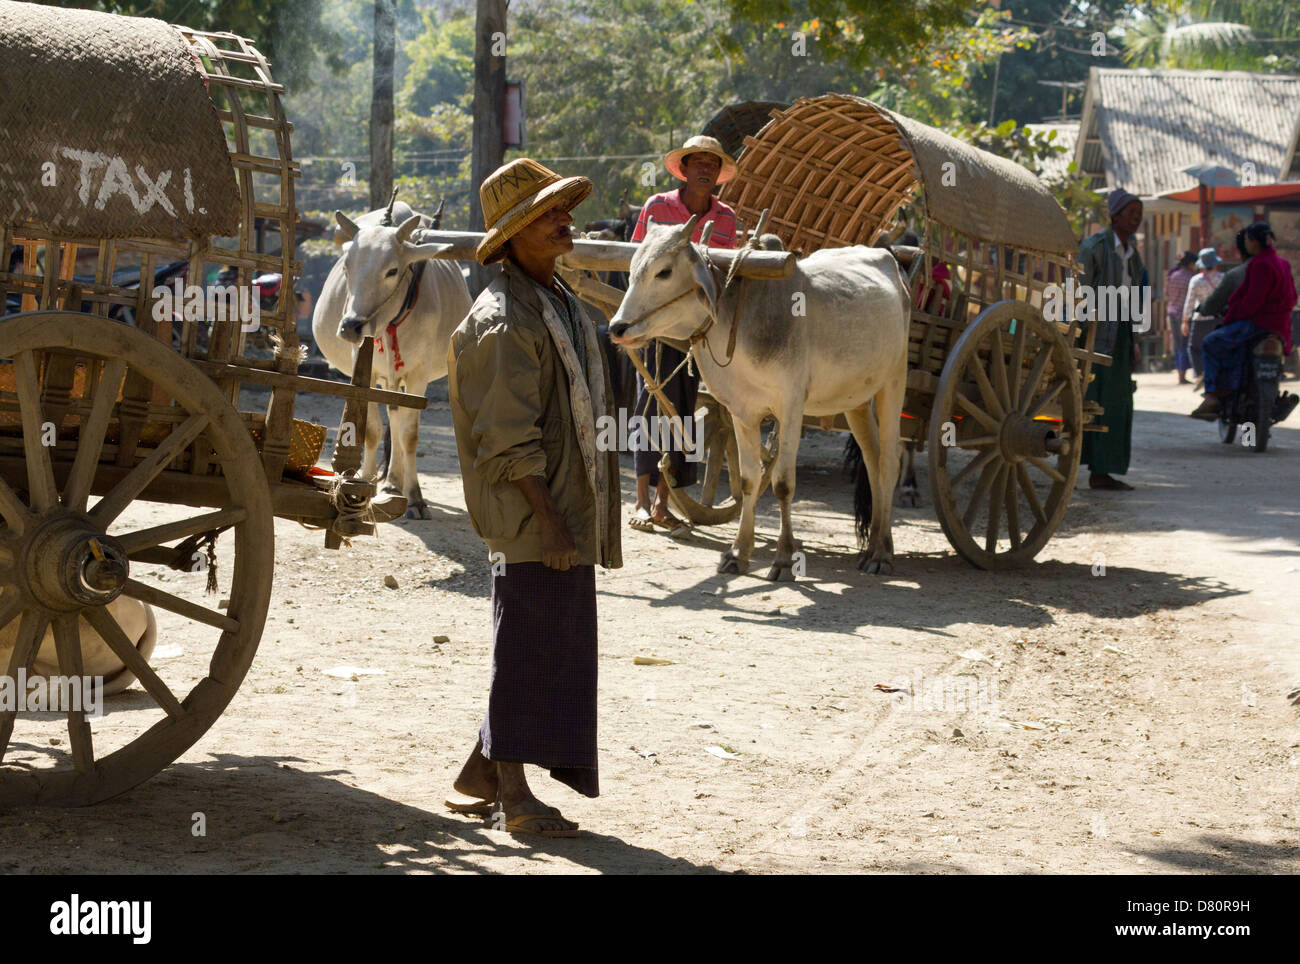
(1214, 35)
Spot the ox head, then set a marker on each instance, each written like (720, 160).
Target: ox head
(671, 290)
(375, 262)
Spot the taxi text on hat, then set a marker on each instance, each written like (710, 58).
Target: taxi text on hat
(517, 194)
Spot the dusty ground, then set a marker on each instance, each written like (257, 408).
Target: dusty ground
(1128, 722)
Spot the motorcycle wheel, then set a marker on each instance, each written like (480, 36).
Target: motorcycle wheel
(1265, 398)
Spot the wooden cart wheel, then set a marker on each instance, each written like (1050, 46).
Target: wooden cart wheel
(719, 450)
(1005, 436)
(64, 555)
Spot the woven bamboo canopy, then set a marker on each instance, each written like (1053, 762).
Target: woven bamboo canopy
(835, 169)
(110, 131)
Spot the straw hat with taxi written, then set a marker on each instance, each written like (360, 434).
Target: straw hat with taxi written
(701, 144)
(517, 194)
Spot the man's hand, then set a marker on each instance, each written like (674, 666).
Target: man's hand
(1137, 357)
(558, 548)
(1187, 329)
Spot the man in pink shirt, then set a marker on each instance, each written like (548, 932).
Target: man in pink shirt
(701, 164)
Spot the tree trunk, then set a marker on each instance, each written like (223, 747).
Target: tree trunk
(381, 104)
(489, 110)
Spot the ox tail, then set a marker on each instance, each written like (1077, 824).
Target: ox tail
(855, 466)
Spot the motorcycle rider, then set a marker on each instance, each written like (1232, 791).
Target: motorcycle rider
(1261, 305)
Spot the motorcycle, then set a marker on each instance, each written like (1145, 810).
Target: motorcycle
(1257, 404)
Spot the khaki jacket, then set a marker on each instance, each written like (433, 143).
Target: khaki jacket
(521, 406)
(1101, 265)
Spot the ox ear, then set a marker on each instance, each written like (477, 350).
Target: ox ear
(707, 287)
(347, 227)
(405, 229)
(422, 252)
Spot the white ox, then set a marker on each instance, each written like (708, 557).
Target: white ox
(830, 339)
(385, 287)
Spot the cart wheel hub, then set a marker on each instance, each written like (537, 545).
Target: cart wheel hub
(70, 565)
(1022, 437)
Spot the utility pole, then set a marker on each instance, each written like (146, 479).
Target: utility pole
(489, 110)
(381, 104)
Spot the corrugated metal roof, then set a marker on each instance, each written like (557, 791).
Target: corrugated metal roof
(1144, 126)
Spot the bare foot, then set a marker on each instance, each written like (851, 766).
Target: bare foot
(478, 777)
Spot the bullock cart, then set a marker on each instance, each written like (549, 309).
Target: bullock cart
(127, 145)
(997, 363)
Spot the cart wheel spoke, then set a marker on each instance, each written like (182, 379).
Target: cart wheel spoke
(1018, 357)
(40, 470)
(987, 478)
(1046, 468)
(11, 604)
(157, 535)
(1035, 375)
(1042, 401)
(1027, 487)
(998, 363)
(110, 506)
(995, 510)
(67, 641)
(175, 604)
(987, 392)
(974, 465)
(1013, 509)
(30, 632)
(91, 436)
(12, 509)
(981, 416)
(112, 634)
(978, 442)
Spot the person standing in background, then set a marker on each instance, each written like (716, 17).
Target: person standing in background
(1196, 323)
(701, 164)
(1176, 281)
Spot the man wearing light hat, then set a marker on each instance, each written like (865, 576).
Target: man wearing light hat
(701, 164)
(1110, 258)
(527, 382)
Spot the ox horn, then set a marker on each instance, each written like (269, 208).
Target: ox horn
(687, 230)
(388, 213)
(347, 227)
(704, 235)
(437, 215)
(624, 209)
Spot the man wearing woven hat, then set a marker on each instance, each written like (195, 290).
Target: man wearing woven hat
(701, 164)
(1110, 258)
(527, 382)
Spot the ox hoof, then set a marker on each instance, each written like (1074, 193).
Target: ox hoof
(909, 498)
(781, 572)
(419, 510)
(875, 565)
(732, 564)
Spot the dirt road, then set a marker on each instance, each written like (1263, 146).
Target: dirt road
(1119, 707)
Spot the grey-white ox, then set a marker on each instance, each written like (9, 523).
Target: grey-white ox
(385, 287)
(832, 338)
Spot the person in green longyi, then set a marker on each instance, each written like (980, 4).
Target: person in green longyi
(1110, 258)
